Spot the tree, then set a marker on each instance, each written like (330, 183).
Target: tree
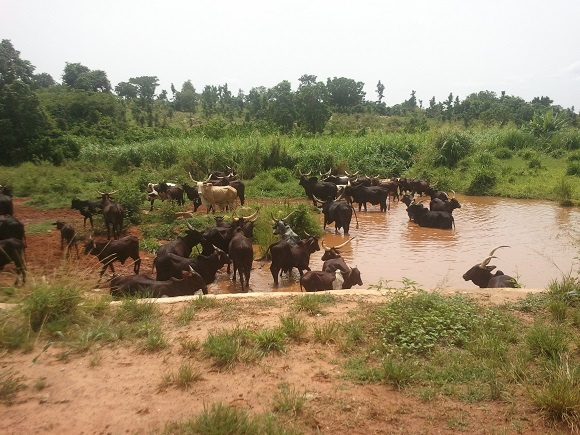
(225, 101)
(280, 109)
(256, 102)
(126, 90)
(186, 99)
(95, 81)
(312, 104)
(146, 86)
(345, 94)
(12, 67)
(209, 99)
(71, 73)
(380, 91)
(42, 80)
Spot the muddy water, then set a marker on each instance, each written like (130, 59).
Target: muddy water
(543, 239)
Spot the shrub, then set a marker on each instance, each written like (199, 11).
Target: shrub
(515, 140)
(51, 305)
(503, 153)
(450, 147)
(573, 168)
(564, 191)
(482, 183)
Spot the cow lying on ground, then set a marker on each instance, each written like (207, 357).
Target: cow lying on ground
(317, 280)
(12, 251)
(481, 275)
(189, 284)
(115, 250)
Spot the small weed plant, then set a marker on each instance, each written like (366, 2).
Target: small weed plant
(288, 401)
(293, 327)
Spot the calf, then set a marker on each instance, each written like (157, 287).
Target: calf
(115, 250)
(242, 255)
(317, 280)
(189, 284)
(87, 209)
(68, 235)
(12, 251)
(113, 215)
(192, 195)
(481, 275)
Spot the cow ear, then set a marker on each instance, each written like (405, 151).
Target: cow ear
(490, 268)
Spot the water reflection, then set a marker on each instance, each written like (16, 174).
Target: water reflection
(543, 239)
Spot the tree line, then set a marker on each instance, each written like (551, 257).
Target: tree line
(41, 119)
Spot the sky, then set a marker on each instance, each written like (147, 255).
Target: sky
(527, 48)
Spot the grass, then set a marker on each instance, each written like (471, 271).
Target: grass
(269, 340)
(10, 386)
(293, 327)
(183, 378)
(219, 419)
(224, 347)
(328, 332)
(312, 304)
(288, 401)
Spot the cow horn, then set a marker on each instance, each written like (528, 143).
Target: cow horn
(235, 216)
(326, 248)
(254, 216)
(273, 218)
(486, 261)
(355, 174)
(343, 244)
(453, 191)
(347, 174)
(290, 214)
(208, 179)
(317, 200)
(193, 179)
(100, 193)
(189, 226)
(305, 175)
(495, 249)
(340, 196)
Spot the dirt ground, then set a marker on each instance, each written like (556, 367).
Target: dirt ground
(113, 389)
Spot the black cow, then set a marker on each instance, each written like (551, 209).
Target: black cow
(286, 256)
(333, 259)
(437, 194)
(192, 195)
(448, 206)
(337, 211)
(68, 235)
(6, 204)
(87, 209)
(113, 215)
(320, 189)
(481, 275)
(171, 265)
(317, 280)
(183, 245)
(10, 227)
(115, 250)
(362, 194)
(431, 219)
(163, 191)
(12, 251)
(189, 284)
(242, 256)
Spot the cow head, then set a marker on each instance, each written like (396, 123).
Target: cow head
(90, 246)
(480, 274)
(333, 252)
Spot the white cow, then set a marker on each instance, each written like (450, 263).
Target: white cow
(223, 196)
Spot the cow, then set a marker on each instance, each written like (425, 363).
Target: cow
(115, 250)
(363, 194)
(242, 255)
(87, 209)
(337, 211)
(163, 191)
(12, 251)
(6, 204)
(192, 195)
(286, 256)
(113, 215)
(236, 184)
(222, 196)
(282, 229)
(437, 204)
(431, 219)
(333, 260)
(171, 265)
(313, 281)
(10, 227)
(68, 235)
(313, 187)
(392, 186)
(189, 284)
(183, 245)
(437, 194)
(481, 275)
(418, 186)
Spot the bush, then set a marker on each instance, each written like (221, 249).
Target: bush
(51, 305)
(516, 140)
(483, 182)
(451, 147)
(503, 153)
(573, 168)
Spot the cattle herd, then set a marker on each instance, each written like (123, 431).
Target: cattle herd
(229, 243)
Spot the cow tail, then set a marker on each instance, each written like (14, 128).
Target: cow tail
(356, 218)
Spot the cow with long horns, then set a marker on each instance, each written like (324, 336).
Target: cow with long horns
(481, 275)
(313, 187)
(337, 211)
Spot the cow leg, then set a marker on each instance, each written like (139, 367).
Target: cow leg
(274, 270)
(137, 265)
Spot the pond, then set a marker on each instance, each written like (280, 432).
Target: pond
(543, 239)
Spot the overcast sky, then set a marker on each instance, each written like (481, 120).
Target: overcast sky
(526, 48)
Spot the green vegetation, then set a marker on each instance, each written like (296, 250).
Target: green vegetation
(288, 401)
